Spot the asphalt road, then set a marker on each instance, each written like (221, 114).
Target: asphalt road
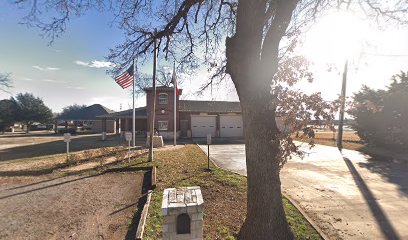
(349, 195)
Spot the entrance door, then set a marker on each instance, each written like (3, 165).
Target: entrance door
(231, 126)
(201, 125)
(183, 128)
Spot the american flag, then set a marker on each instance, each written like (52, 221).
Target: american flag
(125, 79)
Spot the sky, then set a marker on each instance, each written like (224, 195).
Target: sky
(73, 69)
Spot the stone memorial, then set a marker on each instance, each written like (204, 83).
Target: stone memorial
(157, 141)
(182, 210)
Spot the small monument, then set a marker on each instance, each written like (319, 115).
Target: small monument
(157, 141)
(182, 210)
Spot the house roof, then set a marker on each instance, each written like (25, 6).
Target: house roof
(140, 113)
(86, 114)
(209, 106)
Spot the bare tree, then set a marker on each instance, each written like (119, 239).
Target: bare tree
(144, 81)
(250, 41)
(5, 81)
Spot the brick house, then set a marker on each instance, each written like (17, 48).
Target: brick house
(194, 118)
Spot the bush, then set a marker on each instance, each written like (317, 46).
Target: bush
(381, 116)
(68, 130)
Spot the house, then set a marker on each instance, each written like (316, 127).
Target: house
(87, 118)
(194, 118)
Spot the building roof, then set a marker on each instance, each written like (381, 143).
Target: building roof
(140, 113)
(163, 88)
(85, 114)
(185, 106)
(209, 106)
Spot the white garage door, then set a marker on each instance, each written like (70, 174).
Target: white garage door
(231, 126)
(203, 125)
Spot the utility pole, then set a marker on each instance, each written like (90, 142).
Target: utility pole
(342, 106)
(154, 98)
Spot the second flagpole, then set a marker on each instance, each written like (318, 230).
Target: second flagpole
(175, 105)
(134, 112)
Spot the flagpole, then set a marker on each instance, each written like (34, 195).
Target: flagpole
(175, 105)
(134, 112)
(154, 98)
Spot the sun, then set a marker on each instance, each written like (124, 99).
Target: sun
(335, 38)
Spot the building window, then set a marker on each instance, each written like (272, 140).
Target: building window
(162, 98)
(163, 125)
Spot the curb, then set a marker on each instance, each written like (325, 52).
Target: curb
(143, 216)
(311, 222)
(154, 177)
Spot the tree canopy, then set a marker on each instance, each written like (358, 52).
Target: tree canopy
(381, 116)
(71, 108)
(8, 113)
(32, 109)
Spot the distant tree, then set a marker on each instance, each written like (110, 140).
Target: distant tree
(72, 108)
(5, 81)
(381, 116)
(9, 112)
(32, 109)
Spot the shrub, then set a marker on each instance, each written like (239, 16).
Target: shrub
(381, 116)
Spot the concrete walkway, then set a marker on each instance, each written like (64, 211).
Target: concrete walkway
(347, 194)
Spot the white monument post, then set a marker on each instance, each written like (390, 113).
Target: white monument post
(128, 137)
(67, 139)
(208, 150)
(182, 211)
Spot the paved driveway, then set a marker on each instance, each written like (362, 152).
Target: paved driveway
(348, 195)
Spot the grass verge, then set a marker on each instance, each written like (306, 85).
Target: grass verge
(224, 196)
(333, 143)
(350, 140)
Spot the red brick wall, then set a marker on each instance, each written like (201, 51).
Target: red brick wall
(168, 108)
(126, 125)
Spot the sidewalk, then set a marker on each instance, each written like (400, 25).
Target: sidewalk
(348, 195)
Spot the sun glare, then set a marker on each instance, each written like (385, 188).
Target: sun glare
(334, 38)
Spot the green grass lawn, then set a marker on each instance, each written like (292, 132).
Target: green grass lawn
(224, 196)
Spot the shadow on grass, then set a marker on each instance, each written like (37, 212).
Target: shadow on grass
(49, 170)
(59, 146)
(30, 134)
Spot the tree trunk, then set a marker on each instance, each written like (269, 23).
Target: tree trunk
(252, 61)
(266, 218)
